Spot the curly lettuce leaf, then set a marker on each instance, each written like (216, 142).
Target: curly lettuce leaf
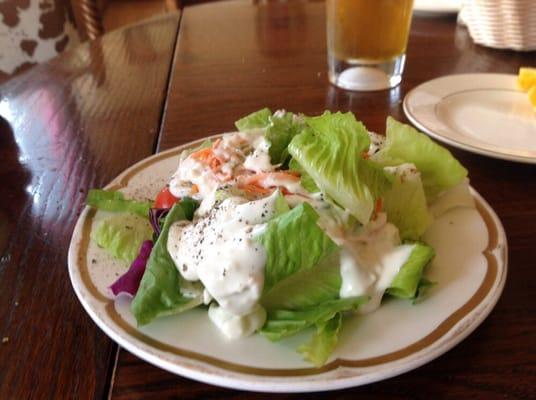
(122, 235)
(330, 151)
(341, 124)
(160, 288)
(109, 200)
(438, 168)
(258, 119)
(323, 341)
(406, 283)
(405, 203)
(293, 242)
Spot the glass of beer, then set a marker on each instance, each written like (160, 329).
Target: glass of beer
(367, 42)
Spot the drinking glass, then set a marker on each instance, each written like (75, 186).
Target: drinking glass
(367, 42)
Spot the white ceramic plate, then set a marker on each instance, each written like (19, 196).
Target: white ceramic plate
(481, 113)
(437, 7)
(470, 267)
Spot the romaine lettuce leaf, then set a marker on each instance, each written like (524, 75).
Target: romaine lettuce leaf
(109, 200)
(404, 144)
(283, 323)
(279, 133)
(323, 341)
(280, 128)
(293, 242)
(306, 288)
(405, 203)
(406, 282)
(331, 154)
(305, 179)
(160, 288)
(258, 119)
(122, 235)
(343, 124)
(280, 205)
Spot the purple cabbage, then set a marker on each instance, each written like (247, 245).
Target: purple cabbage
(156, 215)
(129, 282)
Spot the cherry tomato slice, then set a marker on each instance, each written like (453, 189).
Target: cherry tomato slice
(165, 199)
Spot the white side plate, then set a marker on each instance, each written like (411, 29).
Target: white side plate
(470, 268)
(437, 7)
(481, 113)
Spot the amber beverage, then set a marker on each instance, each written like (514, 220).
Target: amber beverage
(367, 42)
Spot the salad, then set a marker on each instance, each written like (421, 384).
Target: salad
(290, 223)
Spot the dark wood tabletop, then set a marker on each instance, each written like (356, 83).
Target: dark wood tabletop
(76, 122)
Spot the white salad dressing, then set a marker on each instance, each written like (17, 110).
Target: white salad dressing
(259, 160)
(192, 171)
(219, 250)
(371, 260)
(404, 171)
(315, 200)
(376, 143)
(234, 326)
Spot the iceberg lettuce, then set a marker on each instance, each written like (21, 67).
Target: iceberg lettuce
(109, 200)
(122, 235)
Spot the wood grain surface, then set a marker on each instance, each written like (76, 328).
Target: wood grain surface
(237, 57)
(68, 125)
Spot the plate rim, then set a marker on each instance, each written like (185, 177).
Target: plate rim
(353, 376)
(453, 142)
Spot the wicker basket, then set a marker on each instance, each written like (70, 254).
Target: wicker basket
(502, 24)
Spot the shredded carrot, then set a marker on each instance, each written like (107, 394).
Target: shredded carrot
(256, 184)
(379, 205)
(203, 154)
(253, 189)
(258, 179)
(208, 157)
(293, 173)
(195, 189)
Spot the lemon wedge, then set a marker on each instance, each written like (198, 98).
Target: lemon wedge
(526, 78)
(532, 97)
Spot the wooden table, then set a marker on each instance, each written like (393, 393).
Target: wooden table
(77, 121)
